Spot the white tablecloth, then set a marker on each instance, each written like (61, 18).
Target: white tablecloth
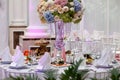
(5, 71)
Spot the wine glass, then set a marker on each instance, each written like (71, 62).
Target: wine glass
(32, 57)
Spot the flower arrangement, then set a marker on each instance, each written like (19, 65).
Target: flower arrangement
(26, 55)
(65, 10)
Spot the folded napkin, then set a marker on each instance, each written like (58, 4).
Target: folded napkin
(106, 57)
(18, 58)
(6, 55)
(16, 53)
(44, 62)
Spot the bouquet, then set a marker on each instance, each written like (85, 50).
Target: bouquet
(65, 10)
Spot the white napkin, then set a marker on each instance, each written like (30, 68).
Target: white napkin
(17, 50)
(106, 57)
(6, 55)
(44, 61)
(18, 58)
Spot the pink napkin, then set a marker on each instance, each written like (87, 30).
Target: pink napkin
(44, 61)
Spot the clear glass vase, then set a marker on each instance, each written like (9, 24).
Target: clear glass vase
(61, 30)
(59, 41)
(59, 35)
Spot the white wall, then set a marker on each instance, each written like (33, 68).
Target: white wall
(102, 15)
(34, 20)
(18, 12)
(114, 16)
(3, 24)
(33, 14)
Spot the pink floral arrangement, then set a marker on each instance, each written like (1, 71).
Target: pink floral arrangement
(65, 10)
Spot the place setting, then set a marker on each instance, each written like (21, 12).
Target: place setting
(18, 61)
(6, 57)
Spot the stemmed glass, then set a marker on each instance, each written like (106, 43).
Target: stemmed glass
(96, 49)
(67, 30)
(93, 49)
(32, 58)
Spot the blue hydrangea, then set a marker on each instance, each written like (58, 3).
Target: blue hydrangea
(77, 5)
(48, 17)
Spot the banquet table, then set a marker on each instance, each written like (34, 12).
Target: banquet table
(5, 71)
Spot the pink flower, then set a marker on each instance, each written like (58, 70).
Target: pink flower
(61, 2)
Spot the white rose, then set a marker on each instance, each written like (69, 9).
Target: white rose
(60, 10)
(46, 4)
(65, 8)
(72, 9)
(56, 18)
(52, 10)
(50, 2)
(71, 3)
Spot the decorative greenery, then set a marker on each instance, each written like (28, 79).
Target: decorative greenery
(115, 74)
(99, 79)
(32, 77)
(15, 78)
(50, 75)
(94, 79)
(72, 73)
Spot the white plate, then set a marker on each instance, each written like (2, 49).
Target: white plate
(19, 67)
(6, 62)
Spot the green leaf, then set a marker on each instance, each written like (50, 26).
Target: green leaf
(115, 74)
(77, 21)
(55, 13)
(15, 78)
(66, 17)
(50, 74)
(72, 72)
(32, 77)
(70, 0)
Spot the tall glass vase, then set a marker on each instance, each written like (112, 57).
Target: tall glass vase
(59, 41)
(59, 35)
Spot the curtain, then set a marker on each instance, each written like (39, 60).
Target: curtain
(102, 15)
(114, 14)
(95, 17)
(3, 24)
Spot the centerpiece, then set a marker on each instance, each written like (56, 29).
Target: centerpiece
(60, 12)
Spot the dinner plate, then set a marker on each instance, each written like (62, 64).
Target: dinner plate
(41, 70)
(63, 65)
(102, 66)
(32, 64)
(19, 67)
(6, 62)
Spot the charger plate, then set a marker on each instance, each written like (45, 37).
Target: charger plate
(18, 67)
(6, 62)
(63, 65)
(102, 66)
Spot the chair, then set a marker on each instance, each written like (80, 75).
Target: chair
(116, 38)
(97, 35)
